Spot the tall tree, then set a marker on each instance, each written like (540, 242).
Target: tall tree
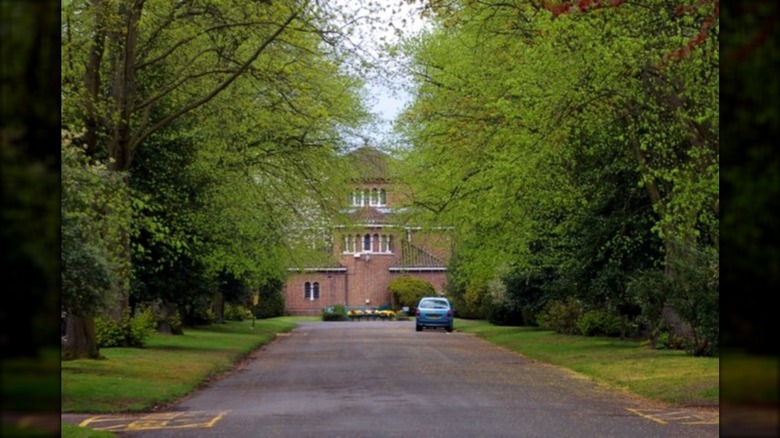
(223, 77)
(510, 96)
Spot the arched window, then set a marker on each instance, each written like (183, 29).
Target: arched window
(382, 197)
(315, 295)
(366, 197)
(377, 244)
(307, 291)
(367, 242)
(374, 197)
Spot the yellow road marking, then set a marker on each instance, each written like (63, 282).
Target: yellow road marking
(164, 420)
(665, 416)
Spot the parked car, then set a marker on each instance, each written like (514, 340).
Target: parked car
(433, 312)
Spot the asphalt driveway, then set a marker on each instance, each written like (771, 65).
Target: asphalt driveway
(383, 379)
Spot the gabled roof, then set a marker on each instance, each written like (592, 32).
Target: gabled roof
(370, 163)
(416, 259)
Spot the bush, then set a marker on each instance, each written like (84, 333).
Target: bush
(334, 313)
(128, 332)
(408, 291)
(236, 312)
(561, 316)
(664, 339)
(599, 323)
(271, 302)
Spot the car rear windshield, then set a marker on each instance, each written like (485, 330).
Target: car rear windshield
(434, 304)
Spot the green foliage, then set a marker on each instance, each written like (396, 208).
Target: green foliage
(227, 162)
(599, 323)
(407, 291)
(236, 312)
(694, 295)
(469, 303)
(595, 131)
(501, 307)
(561, 316)
(128, 332)
(336, 312)
(665, 340)
(271, 299)
(95, 209)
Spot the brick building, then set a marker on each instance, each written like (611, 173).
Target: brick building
(369, 249)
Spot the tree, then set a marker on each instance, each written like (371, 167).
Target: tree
(171, 77)
(95, 210)
(513, 100)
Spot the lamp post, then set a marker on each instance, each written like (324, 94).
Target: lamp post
(255, 301)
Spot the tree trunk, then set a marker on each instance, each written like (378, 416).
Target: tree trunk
(80, 339)
(170, 316)
(219, 307)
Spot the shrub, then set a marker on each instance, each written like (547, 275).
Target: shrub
(127, 332)
(561, 316)
(271, 303)
(108, 332)
(236, 312)
(599, 323)
(664, 339)
(408, 291)
(334, 313)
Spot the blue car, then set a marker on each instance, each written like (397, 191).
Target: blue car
(434, 312)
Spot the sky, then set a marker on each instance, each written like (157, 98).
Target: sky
(385, 100)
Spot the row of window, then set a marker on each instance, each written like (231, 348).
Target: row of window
(364, 197)
(377, 243)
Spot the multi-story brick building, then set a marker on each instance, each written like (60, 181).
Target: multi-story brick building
(370, 249)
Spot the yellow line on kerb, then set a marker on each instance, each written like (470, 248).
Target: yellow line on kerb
(649, 417)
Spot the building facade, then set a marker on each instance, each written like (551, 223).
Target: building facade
(370, 249)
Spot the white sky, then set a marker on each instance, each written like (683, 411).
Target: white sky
(385, 100)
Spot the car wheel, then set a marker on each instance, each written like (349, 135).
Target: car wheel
(449, 328)
(418, 328)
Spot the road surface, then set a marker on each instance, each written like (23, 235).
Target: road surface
(383, 379)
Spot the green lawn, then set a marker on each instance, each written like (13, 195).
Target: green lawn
(665, 375)
(133, 379)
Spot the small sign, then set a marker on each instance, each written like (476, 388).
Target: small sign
(255, 299)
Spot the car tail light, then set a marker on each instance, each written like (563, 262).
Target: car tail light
(449, 313)
(417, 312)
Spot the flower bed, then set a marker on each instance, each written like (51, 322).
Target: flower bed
(370, 315)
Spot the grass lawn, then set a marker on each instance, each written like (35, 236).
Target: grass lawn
(665, 375)
(133, 379)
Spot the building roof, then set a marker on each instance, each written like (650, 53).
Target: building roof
(369, 215)
(416, 259)
(371, 163)
(325, 263)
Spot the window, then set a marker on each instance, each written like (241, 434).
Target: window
(367, 242)
(311, 291)
(365, 197)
